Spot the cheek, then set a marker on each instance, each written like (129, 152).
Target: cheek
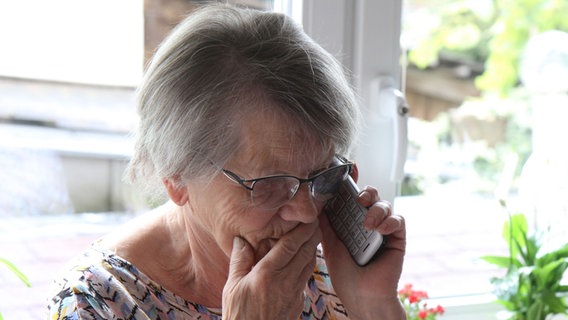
(226, 213)
(252, 225)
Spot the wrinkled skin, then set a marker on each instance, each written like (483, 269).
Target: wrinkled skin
(255, 263)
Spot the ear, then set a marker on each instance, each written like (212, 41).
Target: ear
(355, 173)
(177, 193)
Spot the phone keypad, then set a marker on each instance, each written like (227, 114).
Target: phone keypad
(348, 220)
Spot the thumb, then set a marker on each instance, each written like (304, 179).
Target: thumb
(242, 260)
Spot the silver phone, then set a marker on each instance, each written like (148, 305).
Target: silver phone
(346, 216)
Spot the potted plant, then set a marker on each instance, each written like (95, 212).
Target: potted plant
(531, 288)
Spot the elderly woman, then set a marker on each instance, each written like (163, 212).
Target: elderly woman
(244, 122)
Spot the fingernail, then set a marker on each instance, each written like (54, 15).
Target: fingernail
(370, 222)
(386, 207)
(238, 243)
(366, 196)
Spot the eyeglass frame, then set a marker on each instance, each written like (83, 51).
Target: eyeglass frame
(237, 179)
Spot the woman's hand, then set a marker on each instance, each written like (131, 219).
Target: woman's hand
(273, 287)
(369, 292)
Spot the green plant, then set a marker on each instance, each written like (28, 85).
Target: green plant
(531, 288)
(17, 272)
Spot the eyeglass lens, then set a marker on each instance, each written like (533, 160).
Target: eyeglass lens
(327, 184)
(273, 192)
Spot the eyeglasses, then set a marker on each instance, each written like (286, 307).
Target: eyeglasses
(272, 192)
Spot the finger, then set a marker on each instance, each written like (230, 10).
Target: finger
(287, 247)
(299, 248)
(302, 265)
(377, 213)
(242, 261)
(309, 268)
(393, 225)
(305, 255)
(368, 196)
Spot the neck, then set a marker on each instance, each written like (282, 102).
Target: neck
(193, 264)
(178, 255)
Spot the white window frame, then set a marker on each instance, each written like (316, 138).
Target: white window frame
(365, 37)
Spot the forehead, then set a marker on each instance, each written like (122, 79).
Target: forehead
(276, 140)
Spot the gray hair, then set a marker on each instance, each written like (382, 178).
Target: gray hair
(220, 61)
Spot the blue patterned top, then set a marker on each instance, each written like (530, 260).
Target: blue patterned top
(102, 285)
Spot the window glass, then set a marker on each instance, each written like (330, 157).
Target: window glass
(485, 80)
(75, 64)
(89, 41)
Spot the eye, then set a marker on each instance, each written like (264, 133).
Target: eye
(330, 180)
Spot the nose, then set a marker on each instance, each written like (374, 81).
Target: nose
(301, 207)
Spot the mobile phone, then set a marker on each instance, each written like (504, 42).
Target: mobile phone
(346, 216)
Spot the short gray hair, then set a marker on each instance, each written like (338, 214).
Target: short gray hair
(220, 60)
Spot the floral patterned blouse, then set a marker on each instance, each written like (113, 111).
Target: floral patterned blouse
(102, 285)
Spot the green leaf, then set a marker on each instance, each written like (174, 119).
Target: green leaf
(533, 245)
(555, 304)
(522, 248)
(536, 311)
(507, 304)
(562, 289)
(520, 243)
(515, 229)
(551, 274)
(500, 261)
(16, 271)
(559, 253)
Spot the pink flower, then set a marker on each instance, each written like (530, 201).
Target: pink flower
(406, 290)
(439, 309)
(415, 310)
(422, 314)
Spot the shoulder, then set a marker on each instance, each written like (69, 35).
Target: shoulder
(133, 232)
(96, 285)
(87, 286)
(102, 285)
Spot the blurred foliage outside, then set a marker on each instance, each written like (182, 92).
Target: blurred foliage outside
(491, 32)
(487, 37)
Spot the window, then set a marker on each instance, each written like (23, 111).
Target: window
(75, 64)
(91, 42)
(88, 110)
(484, 85)
(448, 230)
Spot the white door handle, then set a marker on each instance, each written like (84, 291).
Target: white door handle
(391, 108)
